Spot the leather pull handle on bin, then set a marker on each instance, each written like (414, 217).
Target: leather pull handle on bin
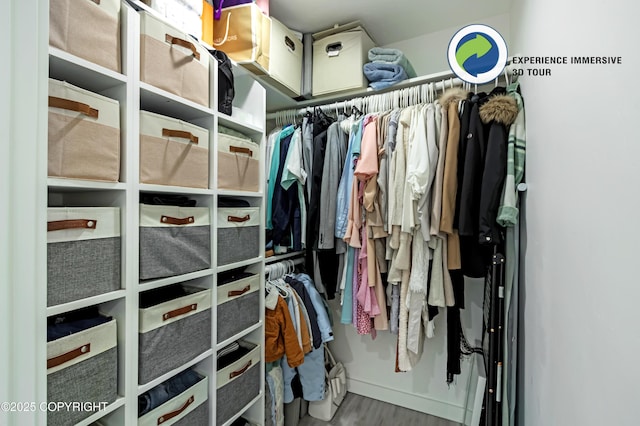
(184, 43)
(238, 219)
(61, 359)
(73, 106)
(241, 150)
(236, 293)
(180, 134)
(176, 413)
(58, 225)
(239, 372)
(177, 221)
(178, 312)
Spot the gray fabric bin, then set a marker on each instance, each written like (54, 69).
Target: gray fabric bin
(189, 408)
(238, 234)
(82, 367)
(173, 333)
(238, 306)
(173, 240)
(83, 253)
(238, 384)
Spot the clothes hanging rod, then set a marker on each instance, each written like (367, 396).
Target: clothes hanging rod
(268, 268)
(441, 81)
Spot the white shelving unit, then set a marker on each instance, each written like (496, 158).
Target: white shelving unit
(133, 95)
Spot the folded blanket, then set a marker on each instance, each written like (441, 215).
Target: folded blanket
(392, 56)
(383, 74)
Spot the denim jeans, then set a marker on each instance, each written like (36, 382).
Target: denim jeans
(160, 394)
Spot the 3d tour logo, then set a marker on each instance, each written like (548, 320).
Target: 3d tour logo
(477, 54)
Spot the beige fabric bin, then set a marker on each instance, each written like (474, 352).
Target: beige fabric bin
(173, 61)
(84, 134)
(173, 152)
(238, 163)
(89, 29)
(285, 66)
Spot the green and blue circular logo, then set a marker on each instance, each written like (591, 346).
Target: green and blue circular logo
(477, 54)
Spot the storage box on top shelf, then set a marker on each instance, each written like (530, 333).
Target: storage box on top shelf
(174, 328)
(82, 363)
(83, 134)
(83, 253)
(88, 29)
(339, 54)
(173, 61)
(285, 64)
(173, 152)
(243, 33)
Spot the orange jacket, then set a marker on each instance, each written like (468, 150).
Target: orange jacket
(280, 336)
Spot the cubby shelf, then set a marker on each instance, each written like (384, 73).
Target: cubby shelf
(83, 303)
(100, 414)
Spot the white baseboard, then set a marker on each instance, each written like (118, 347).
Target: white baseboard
(400, 398)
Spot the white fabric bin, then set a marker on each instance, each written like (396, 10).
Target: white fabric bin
(238, 306)
(286, 59)
(339, 55)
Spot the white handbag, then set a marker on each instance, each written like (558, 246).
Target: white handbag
(334, 391)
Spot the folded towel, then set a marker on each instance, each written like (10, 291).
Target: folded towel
(383, 74)
(392, 56)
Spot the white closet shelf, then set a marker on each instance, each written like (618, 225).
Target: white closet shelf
(240, 335)
(243, 410)
(143, 388)
(100, 414)
(151, 284)
(238, 124)
(162, 102)
(279, 257)
(76, 185)
(145, 187)
(232, 193)
(236, 265)
(68, 67)
(83, 303)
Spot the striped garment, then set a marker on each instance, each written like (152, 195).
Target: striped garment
(516, 148)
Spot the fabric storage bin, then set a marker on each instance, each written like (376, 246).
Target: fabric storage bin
(189, 408)
(83, 252)
(82, 367)
(238, 234)
(238, 163)
(172, 61)
(173, 333)
(338, 57)
(285, 64)
(173, 240)
(238, 383)
(89, 29)
(173, 152)
(238, 305)
(84, 134)
(243, 33)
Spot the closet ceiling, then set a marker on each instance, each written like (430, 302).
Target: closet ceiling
(387, 21)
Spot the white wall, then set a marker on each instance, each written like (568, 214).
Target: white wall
(581, 294)
(428, 53)
(370, 364)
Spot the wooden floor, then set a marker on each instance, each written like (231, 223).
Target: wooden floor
(358, 410)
